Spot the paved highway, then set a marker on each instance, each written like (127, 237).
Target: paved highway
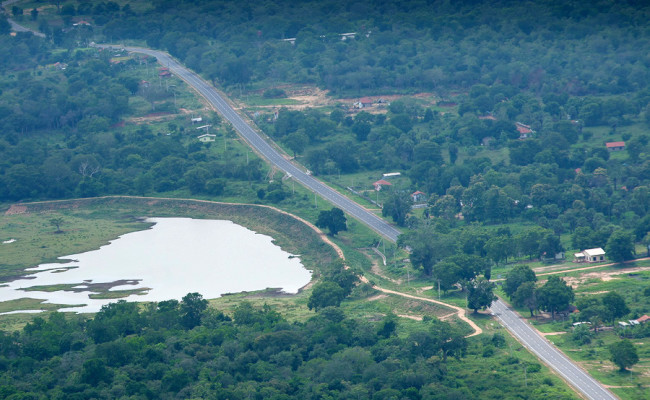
(15, 26)
(256, 141)
(578, 378)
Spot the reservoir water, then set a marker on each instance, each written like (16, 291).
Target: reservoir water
(176, 256)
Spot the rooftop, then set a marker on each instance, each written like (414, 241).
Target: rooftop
(594, 252)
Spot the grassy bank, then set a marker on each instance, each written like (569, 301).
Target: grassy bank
(87, 224)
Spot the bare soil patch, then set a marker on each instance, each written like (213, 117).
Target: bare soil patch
(16, 209)
(377, 297)
(314, 97)
(602, 275)
(413, 317)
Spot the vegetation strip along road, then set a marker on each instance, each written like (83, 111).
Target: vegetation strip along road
(265, 149)
(533, 341)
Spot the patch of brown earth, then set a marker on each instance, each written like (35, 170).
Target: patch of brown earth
(413, 317)
(16, 209)
(601, 275)
(377, 297)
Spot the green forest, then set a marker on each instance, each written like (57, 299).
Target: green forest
(185, 350)
(525, 126)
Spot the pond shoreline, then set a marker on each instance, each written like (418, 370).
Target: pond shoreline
(293, 234)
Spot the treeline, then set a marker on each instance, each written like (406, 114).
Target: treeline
(542, 46)
(184, 349)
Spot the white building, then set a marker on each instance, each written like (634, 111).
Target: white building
(207, 137)
(590, 255)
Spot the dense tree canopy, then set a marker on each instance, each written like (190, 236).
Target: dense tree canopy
(150, 353)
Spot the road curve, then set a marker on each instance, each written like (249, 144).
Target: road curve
(551, 356)
(16, 26)
(529, 337)
(263, 148)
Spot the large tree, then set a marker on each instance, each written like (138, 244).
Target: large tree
(480, 294)
(526, 296)
(397, 207)
(615, 305)
(592, 309)
(498, 248)
(555, 295)
(326, 294)
(620, 246)
(517, 276)
(623, 354)
(192, 308)
(334, 220)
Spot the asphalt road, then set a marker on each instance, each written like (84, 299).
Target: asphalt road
(14, 25)
(263, 148)
(577, 377)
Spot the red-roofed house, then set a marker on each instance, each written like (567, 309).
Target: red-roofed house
(615, 146)
(82, 22)
(643, 319)
(418, 196)
(524, 130)
(366, 101)
(378, 185)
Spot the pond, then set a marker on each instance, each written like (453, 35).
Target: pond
(172, 258)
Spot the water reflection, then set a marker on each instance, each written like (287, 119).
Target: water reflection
(174, 257)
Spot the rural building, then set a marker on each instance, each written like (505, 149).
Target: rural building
(615, 146)
(207, 137)
(366, 102)
(590, 255)
(418, 196)
(60, 65)
(349, 35)
(525, 131)
(380, 183)
(643, 319)
(164, 72)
